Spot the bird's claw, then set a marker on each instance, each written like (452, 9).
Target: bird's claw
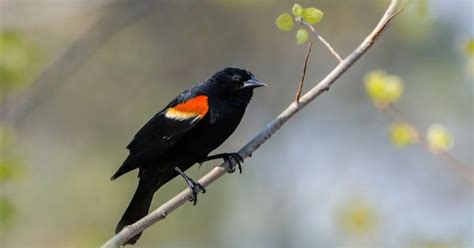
(196, 188)
(238, 160)
(228, 157)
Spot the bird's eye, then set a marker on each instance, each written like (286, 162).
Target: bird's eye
(236, 77)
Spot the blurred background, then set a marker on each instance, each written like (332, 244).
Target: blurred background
(79, 78)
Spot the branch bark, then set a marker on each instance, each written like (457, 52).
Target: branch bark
(164, 210)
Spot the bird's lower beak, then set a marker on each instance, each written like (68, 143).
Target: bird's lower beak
(253, 83)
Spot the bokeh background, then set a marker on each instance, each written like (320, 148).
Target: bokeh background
(330, 178)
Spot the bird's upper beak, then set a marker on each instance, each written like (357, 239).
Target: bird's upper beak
(253, 83)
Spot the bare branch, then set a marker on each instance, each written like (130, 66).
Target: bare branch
(181, 198)
(300, 87)
(316, 33)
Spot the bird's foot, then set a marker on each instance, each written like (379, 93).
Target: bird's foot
(227, 158)
(238, 161)
(194, 186)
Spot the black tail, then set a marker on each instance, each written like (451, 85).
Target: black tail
(130, 163)
(138, 207)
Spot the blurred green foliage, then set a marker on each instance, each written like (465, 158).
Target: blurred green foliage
(439, 139)
(469, 47)
(422, 7)
(385, 90)
(11, 165)
(417, 12)
(469, 50)
(7, 211)
(18, 60)
(10, 169)
(382, 88)
(402, 134)
(358, 217)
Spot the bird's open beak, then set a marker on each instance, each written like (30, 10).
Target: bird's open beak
(253, 83)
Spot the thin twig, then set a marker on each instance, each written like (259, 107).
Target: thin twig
(396, 114)
(300, 87)
(316, 33)
(181, 198)
(458, 166)
(462, 170)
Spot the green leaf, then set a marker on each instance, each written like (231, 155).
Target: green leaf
(297, 10)
(284, 22)
(402, 134)
(301, 36)
(312, 15)
(438, 138)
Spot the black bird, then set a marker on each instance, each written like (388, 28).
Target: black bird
(184, 133)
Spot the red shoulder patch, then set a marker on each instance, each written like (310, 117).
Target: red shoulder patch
(192, 108)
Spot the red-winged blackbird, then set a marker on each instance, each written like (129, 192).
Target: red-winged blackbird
(184, 133)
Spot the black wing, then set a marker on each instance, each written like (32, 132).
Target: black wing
(163, 130)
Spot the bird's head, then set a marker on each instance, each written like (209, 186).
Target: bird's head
(233, 81)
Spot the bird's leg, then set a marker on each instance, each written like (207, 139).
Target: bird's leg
(195, 187)
(227, 157)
